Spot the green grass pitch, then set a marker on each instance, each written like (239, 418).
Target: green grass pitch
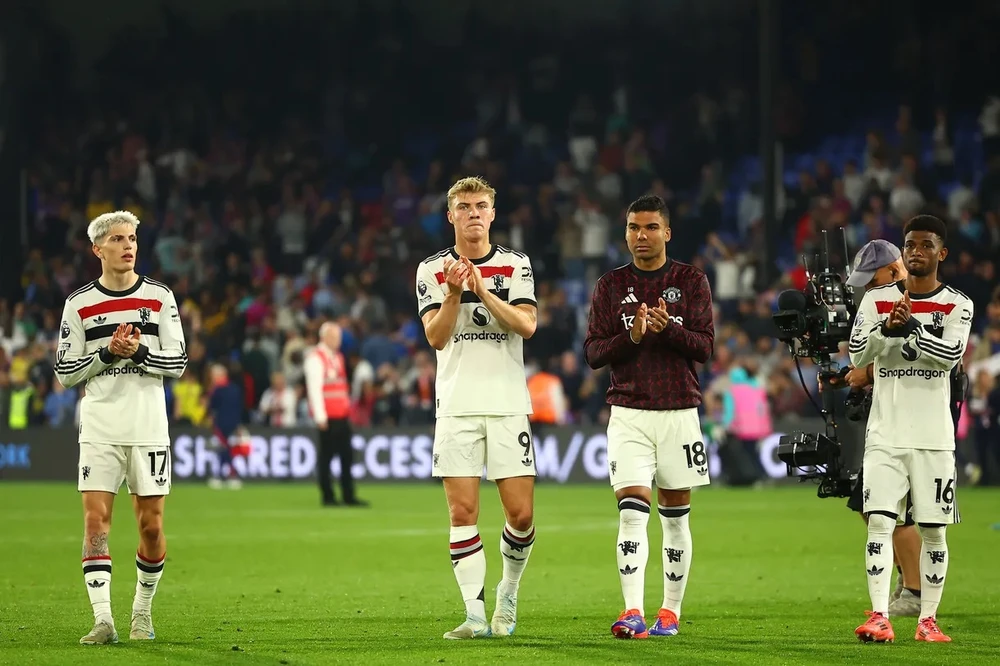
(266, 576)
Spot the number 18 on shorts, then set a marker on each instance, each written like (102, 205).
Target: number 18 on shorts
(665, 446)
(145, 469)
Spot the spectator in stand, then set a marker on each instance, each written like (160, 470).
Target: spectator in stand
(279, 404)
(418, 391)
(548, 401)
(190, 403)
(60, 406)
(984, 409)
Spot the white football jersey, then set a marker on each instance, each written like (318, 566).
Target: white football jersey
(480, 372)
(911, 399)
(124, 403)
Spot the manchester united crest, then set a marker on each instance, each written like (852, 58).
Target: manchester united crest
(671, 295)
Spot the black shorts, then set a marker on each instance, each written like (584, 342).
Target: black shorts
(856, 502)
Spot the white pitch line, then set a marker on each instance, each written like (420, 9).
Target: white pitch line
(312, 535)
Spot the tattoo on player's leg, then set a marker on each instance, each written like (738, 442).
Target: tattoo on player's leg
(95, 545)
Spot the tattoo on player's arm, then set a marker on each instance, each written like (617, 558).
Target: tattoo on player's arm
(95, 545)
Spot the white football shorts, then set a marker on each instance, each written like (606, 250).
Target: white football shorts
(663, 446)
(145, 469)
(464, 445)
(929, 476)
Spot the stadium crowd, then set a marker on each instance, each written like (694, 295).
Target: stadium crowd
(268, 219)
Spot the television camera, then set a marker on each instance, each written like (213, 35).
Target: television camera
(813, 323)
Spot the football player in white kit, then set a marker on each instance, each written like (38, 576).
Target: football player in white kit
(916, 332)
(477, 304)
(121, 335)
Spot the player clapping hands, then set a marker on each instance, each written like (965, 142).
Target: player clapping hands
(658, 318)
(654, 433)
(474, 281)
(481, 399)
(654, 319)
(125, 342)
(456, 275)
(900, 313)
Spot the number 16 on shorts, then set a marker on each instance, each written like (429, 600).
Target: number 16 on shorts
(927, 476)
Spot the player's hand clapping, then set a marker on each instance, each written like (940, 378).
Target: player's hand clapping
(475, 279)
(125, 341)
(658, 318)
(900, 313)
(639, 324)
(455, 275)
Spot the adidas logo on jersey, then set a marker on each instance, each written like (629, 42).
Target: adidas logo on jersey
(630, 299)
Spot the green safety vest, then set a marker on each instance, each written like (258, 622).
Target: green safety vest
(20, 404)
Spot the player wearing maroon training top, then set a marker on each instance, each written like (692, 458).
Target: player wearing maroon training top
(654, 430)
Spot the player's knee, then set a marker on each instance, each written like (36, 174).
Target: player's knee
(881, 524)
(674, 497)
(463, 511)
(151, 527)
(97, 519)
(633, 511)
(521, 518)
(98, 523)
(932, 535)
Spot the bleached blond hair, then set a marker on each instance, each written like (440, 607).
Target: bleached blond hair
(471, 185)
(101, 225)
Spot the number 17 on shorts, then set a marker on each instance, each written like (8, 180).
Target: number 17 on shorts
(145, 469)
(665, 446)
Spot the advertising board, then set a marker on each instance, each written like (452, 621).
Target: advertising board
(563, 454)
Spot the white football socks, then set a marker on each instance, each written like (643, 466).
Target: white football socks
(515, 547)
(469, 562)
(633, 550)
(933, 569)
(97, 576)
(878, 561)
(148, 572)
(676, 555)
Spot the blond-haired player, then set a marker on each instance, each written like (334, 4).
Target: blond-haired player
(477, 304)
(120, 336)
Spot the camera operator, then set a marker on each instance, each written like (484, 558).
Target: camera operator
(915, 332)
(877, 264)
